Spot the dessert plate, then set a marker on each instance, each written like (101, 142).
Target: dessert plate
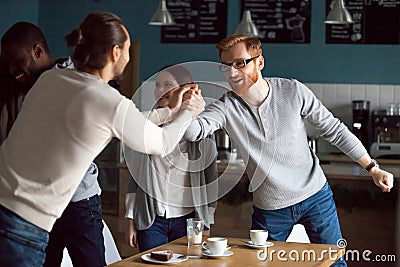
(207, 253)
(250, 244)
(176, 258)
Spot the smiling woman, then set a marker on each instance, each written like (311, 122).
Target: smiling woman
(157, 210)
(170, 77)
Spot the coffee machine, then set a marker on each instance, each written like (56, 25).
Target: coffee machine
(361, 121)
(385, 134)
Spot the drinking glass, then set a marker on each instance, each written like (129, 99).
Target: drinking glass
(194, 229)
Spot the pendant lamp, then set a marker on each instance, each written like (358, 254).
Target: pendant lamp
(339, 14)
(247, 26)
(162, 17)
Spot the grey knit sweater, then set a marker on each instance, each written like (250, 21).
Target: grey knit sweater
(272, 140)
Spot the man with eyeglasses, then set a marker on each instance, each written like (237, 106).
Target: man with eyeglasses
(266, 118)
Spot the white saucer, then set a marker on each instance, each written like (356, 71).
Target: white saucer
(173, 260)
(207, 253)
(250, 244)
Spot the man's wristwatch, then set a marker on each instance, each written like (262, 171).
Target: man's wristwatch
(371, 165)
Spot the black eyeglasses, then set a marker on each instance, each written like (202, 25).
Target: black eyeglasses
(237, 64)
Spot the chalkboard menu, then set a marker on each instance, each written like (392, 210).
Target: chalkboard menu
(197, 21)
(375, 22)
(281, 21)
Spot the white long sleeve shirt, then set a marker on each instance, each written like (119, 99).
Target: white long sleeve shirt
(67, 119)
(171, 177)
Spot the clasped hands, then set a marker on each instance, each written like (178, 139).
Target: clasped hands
(187, 97)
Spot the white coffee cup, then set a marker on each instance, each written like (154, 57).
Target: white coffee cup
(258, 237)
(216, 245)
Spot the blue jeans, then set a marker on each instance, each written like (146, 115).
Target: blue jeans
(317, 213)
(80, 230)
(162, 231)
(21, 243)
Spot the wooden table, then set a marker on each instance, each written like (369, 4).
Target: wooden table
(281, 254)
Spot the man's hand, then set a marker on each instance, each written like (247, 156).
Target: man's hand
(131, 233)
(382, 179)
(176, 98)
(194, 102)
(192, 94)
(187, 97)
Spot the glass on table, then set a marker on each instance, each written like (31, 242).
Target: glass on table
(194, 229)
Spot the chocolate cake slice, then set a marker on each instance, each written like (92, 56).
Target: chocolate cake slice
(162, 255)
